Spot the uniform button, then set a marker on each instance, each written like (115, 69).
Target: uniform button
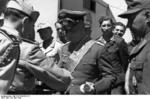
(8, 60)
(134, 59)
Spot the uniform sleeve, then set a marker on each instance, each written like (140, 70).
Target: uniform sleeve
(8, 61)
(107, 78)
(55, 50)
(124, 55)
(47, 71)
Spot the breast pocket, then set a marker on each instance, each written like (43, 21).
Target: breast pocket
(137, 69)
(88, 66)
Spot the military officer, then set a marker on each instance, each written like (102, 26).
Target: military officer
(9, 44)
(137, 76)
(33, 64)
(82, 57)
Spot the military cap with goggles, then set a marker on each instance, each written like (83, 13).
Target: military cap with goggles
(69, 18)
(135, 6)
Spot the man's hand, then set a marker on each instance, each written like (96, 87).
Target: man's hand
(67, 73)
(87, 87)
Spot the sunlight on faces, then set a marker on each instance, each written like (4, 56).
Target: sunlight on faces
(119, 30)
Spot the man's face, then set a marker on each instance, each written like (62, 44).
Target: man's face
(75, 34)
(61, 32)
(45, 34)
(138, 24)
(106, 25)
(119, 30)
(18, 23)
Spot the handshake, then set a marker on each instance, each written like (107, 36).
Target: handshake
(87, 88)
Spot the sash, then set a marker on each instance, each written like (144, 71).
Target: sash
(76, 56)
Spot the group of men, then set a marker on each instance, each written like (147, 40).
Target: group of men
(85, 66)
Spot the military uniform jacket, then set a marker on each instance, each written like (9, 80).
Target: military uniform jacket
(89, 69)
(34, 64)
(9, 54)
(116, 53)
(139, 68)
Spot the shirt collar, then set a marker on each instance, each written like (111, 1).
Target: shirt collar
(139, 46)
(11, 31)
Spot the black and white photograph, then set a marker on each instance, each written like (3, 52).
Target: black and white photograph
(74, 47)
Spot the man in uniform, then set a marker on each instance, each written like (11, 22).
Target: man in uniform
(137, 76)
(82, 57)
(116, 53)
(9, 44)
(33, 64)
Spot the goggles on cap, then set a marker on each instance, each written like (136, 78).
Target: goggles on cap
(68, 23)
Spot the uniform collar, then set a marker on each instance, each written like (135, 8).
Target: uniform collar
(11, 31)
(138, 47)
(73, 47)
(102, 40)
(29, 41)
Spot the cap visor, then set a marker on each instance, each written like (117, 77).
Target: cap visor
(128, 13)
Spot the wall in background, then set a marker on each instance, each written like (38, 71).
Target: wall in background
(48, 13)
(117, 7)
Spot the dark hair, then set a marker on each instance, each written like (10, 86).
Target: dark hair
(120, 24)
(14, 12)
(105, 18)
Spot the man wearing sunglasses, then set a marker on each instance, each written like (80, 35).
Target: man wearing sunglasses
(82, 56)
(137, 76)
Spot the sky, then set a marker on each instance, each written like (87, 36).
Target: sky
(48, 11)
